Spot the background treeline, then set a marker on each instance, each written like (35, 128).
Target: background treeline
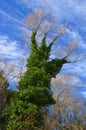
(68, 113)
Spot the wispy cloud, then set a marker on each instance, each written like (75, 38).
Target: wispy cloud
(11, 55)
(8, 16)
(78, 68)
(9, 48)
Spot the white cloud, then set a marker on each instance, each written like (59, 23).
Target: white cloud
(11, 56)
(78, 68)
(84, 94)
(77, 36)
(9, 47)
(69, 11)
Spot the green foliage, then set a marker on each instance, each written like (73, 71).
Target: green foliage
(5, 111)
(34, 90)
(37, 95)
(4, 93)
(23, 115)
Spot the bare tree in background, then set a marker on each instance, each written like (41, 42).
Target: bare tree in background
(45, 26)
(6, 71)
(68, 112)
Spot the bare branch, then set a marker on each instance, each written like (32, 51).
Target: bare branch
(71, 48)
(60, 32)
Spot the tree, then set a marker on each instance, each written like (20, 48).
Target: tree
(3, 90)
(3, 96)
(68, 110)
(34, 88)
(5, 93)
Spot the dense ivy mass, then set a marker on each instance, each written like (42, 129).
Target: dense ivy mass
(34, 90)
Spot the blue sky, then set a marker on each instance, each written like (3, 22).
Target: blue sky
(12, 13)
